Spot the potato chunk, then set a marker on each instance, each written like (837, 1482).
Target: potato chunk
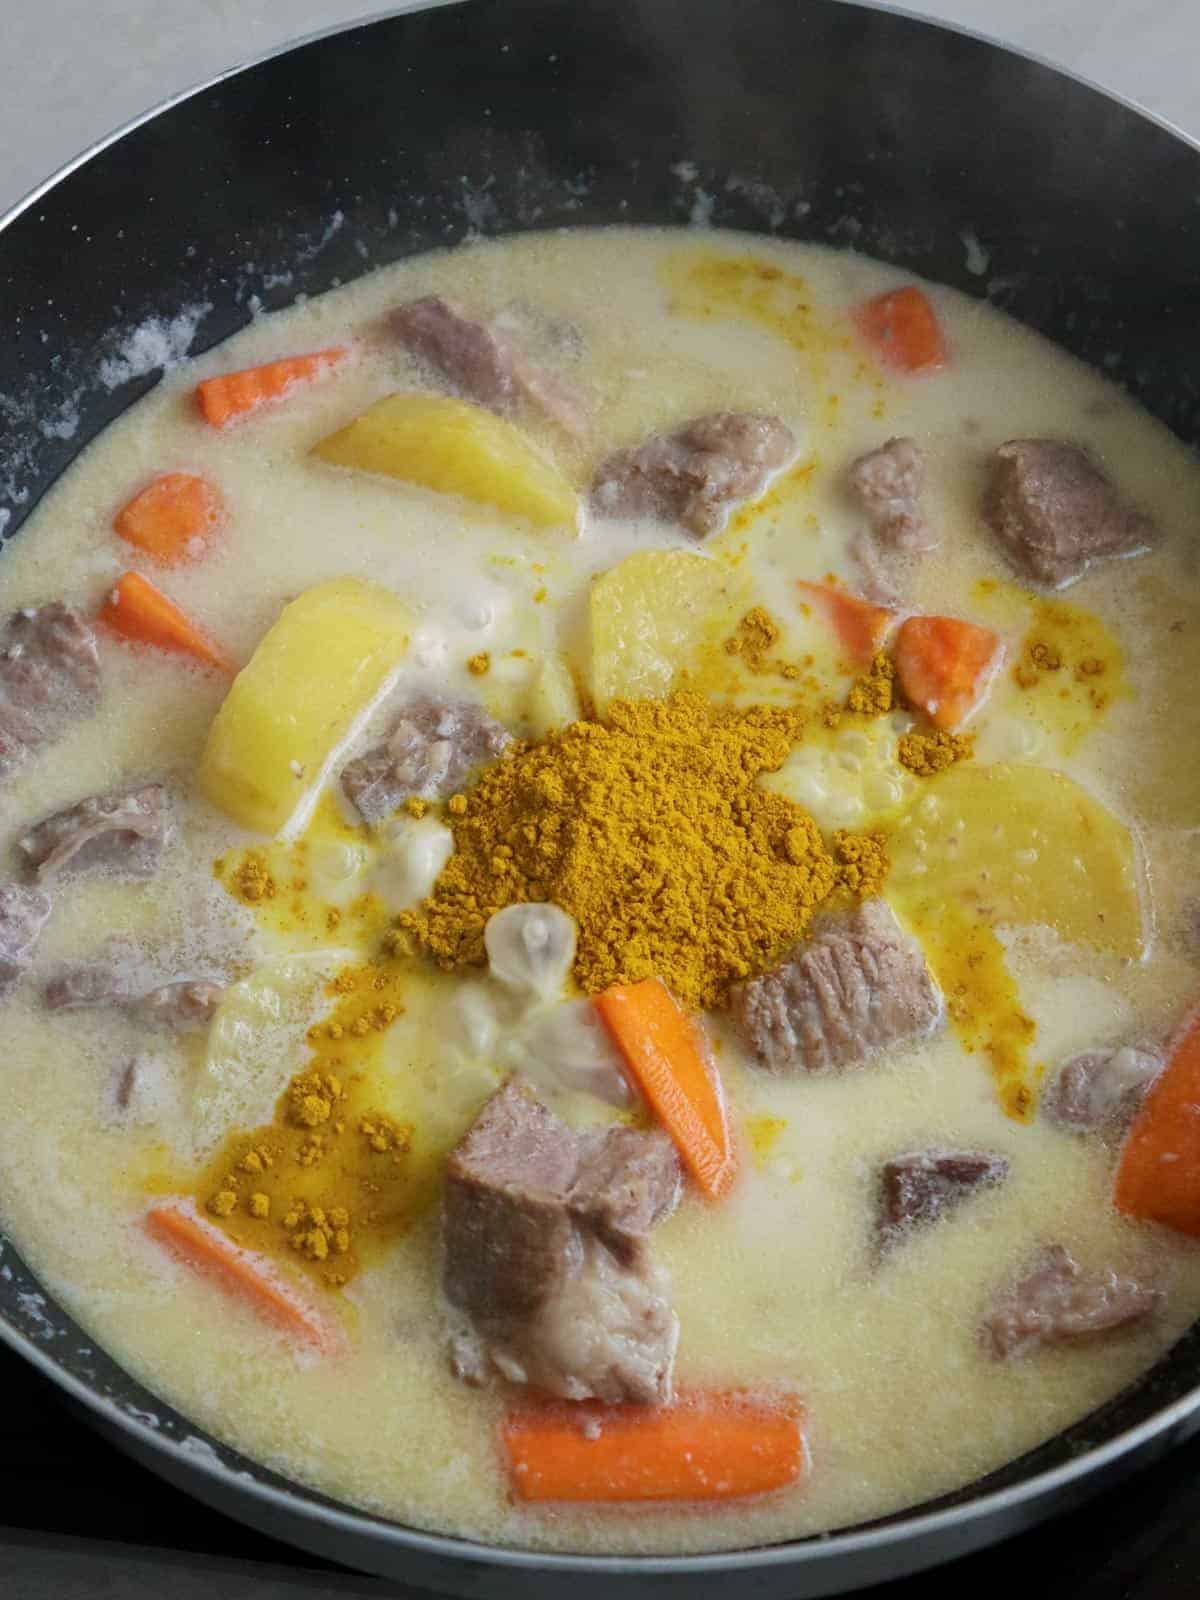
(653, 617)
(314, 676)
(1022, 845)
(455, 448)
(257, 1041)
(553, 699)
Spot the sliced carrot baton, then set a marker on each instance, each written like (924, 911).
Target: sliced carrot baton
(903, 329)
(231, 395)
(172, 519)
(860, 626)
(242, 1274)
(704, 1446)
(944, 666)
(665, 1054)
(139, 612)
(1159, 1174)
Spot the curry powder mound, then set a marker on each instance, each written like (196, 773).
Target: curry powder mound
(649, 829)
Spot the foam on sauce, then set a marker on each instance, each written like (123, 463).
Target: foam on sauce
(778, 1284)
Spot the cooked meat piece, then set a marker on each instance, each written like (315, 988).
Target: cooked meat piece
(481, 363)
(887, 485)
(1055, 512)
(694, 476)
(545, 1250)
(626, 1181)
(118, 978)
(143, 1090)
(918, 1188)
(858, 985)
(432, 747)
(1056, 1302)
(607, 1334)
(127, 831)
(107, 981)
(23, 914)
(1101, 1088)
(882, 574)
(49, 675)
(508, 1229)
(183, 1005)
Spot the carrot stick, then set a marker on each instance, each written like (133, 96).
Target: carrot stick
(904, 330)
(945, 666)
(664, 1052)
(231, 395)
(172, 518)
(704, 1446)
(242, 1274)
(1159, 1174)
(141, 613)
(861, 626)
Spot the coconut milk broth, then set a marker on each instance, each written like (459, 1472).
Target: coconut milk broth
(778, 1284)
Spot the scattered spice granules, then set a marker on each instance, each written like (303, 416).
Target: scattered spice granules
(928, 753)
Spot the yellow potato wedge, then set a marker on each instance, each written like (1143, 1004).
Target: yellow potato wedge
(290, 711)
(455, 448)
(553, 699)
(1021, 845)
(653, 618)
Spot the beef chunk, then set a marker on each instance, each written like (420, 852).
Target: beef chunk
(695, 475)
(49, 675)
(126, 831)
(1055, 512)
(625, 1182)
(858, 985)
(887, 484)
(1101, 1088)
(482, 363)
(106, 981)
(431, 748)
(545, 1250)
(23, 915)
(919, 1188)
(119, 978)
(1056, 1302)
(186, 1004)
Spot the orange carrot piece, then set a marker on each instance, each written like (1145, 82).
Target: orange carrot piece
(141, 613)
(172, 518)
(944, 666)
(231, 395)
(904, 329)
(242, 1274)
(664, 1051)
(861, 626)
(1159, 1174)
(704, 1446)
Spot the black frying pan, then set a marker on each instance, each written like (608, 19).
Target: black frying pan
(840, 123)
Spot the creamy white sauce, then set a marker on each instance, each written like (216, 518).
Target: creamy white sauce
(778, 1284)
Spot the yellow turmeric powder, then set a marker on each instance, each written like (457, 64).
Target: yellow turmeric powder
(930, 753)
(874, 694)
(252, 881)
(754, 639)
(650, 830)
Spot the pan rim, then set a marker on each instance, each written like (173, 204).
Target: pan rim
(899, 1529)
